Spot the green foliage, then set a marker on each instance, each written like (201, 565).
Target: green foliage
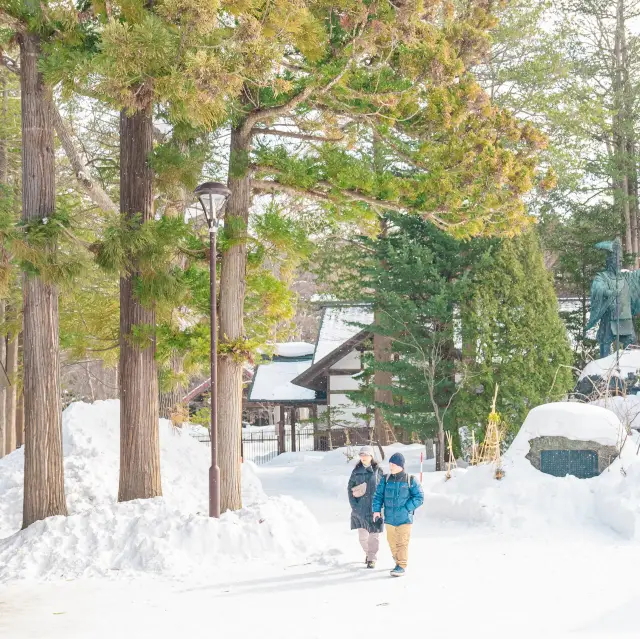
(513, 337)
(572, 240)
(417, 278)
(147, 251)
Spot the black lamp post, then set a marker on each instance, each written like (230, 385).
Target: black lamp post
(213, 197)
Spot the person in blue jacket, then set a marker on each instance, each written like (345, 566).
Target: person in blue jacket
(399, 495)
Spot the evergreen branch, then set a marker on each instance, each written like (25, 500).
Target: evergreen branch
(268, 114)
(272, 186)
(269, 186)
(296, 136)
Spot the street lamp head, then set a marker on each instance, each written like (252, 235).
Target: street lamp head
(212, 196)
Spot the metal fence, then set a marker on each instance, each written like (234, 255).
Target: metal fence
(262, 444)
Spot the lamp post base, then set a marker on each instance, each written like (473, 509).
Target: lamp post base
(214, 491)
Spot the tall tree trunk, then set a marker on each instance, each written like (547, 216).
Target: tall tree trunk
(4, 436)
(12, 393)
(171, 399)
(440, 448)
(382, 380)
(139, 436)
(20, 399)
(43, 467)
(7, 444)
(620, 170)
(231, 326)
(631, 164)
(20, 420)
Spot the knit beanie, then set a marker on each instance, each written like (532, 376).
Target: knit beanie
(397, 459)
(366, 450)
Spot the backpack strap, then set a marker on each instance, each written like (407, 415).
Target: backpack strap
(409, 480)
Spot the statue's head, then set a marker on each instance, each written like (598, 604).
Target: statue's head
(614, 254)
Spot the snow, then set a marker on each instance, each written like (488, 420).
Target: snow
(171, 535)
(626, 408)
(293, 349)
(608, 366)
(528, 556)
(339, 324)
(572, 420)
(272, 382)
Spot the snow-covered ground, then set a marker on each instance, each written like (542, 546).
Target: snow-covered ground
(528, 556)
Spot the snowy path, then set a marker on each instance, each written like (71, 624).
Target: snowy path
(462, 580)
(575, 590)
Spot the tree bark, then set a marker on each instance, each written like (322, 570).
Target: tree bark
(4, 436)
(382, 380)
(231, 326)
(429, 449)
(139, 435)
(171, 399)
(440, 448)
(20, 421)
(620, 181)
(43, 466)
(12, 393)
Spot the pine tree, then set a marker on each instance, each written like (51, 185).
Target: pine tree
(513, 337)
(417, 275)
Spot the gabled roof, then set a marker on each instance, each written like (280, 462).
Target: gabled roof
(340, 323)
(342, 328)
(272, 379)
(315, 377)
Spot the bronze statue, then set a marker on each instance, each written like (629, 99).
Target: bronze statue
(615, 299)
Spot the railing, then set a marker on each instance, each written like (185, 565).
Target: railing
(261, 444)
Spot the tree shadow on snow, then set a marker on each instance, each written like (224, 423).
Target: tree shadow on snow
(322, 578)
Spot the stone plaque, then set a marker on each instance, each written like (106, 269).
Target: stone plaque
(579, 463)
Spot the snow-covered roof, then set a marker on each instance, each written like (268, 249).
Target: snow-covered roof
(339, 324)
(573, 420)
(272, 382)
(293, 349)
(608, 366)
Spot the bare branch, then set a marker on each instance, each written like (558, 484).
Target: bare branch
(95, 192)
(79, 165)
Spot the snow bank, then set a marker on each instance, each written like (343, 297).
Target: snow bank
(171, 534)
(542, 505)
(627, 409)
(608, 366)
(148, 536)
(572, 420)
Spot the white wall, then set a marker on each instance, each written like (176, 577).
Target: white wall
(350, 362)
(343, 383)
(348, 410)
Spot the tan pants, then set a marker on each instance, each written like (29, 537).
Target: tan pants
(370, 543)
(398, 538)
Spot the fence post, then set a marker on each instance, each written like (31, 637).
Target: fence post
(281, 440)
(294, 416)
(314, 416)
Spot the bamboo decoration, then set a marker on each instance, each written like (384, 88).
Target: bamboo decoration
(490, 452)
(452, 460)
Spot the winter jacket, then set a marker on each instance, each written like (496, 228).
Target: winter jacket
(361, 511)
(398, 498)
